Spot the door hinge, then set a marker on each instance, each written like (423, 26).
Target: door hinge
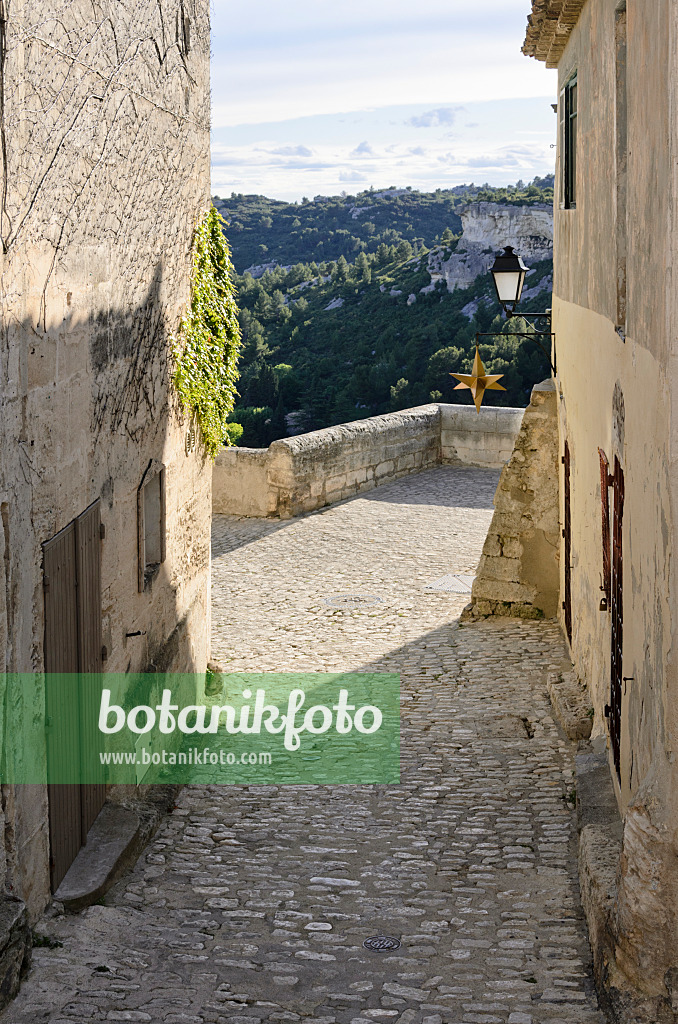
(102, 531)
(104, 653)
(607, 710)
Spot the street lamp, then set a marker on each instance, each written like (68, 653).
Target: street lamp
(509, 273)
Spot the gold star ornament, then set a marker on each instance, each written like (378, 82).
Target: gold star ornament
(478, 382)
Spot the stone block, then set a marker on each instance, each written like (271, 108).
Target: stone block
(501, 568)
(501, 591)
(384, 469)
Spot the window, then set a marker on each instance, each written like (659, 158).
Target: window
(568, 144)
(151, 523)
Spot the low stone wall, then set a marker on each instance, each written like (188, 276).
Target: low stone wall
(302, 473)
(472, 439)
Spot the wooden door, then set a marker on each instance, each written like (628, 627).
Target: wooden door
(567, 535)
(617, 616)
(61, 656)
(88, 562)
(72, 585)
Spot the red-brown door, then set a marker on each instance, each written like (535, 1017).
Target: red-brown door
(567, 536)
(617, 615)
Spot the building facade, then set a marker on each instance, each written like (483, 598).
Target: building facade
(615, 320)
(104, 495)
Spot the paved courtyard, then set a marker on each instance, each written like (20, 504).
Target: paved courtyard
(252, 903)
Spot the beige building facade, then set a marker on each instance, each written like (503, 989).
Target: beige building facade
(105, 499)
(615, 319)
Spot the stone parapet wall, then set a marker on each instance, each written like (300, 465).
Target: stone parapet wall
(486, 440)
(299, 474)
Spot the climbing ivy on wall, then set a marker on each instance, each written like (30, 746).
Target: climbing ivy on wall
(206, 346)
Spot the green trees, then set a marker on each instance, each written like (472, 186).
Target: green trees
(362, 270)
(341, 272)
(440, 365)
(331, 340)
(404, 250)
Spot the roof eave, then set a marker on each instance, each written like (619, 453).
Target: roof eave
(549, 27)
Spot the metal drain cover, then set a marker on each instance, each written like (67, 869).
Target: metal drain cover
(352, 600)
(381, 943)
(453, 583)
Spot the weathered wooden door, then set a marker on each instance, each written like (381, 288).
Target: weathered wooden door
(617, 615)
(567, 536)
(72, 584)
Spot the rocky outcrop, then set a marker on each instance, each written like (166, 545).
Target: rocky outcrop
(487, 228)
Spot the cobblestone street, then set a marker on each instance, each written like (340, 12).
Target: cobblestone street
(252, 903)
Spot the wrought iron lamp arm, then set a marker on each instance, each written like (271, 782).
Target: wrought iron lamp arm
(541, 328)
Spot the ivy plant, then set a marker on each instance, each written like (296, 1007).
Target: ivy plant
(206, 346)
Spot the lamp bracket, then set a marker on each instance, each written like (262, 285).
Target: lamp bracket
(541, 328)
(539, 322)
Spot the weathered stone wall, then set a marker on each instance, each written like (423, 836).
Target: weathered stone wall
(298, 474)
(518, 573)
(105, 147)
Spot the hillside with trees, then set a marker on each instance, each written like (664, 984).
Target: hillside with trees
(333, 339)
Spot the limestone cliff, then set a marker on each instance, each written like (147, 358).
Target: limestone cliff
(487, 228)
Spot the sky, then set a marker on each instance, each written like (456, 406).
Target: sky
(311, 97)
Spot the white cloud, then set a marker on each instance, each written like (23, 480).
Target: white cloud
(268, 160)
(435, 118)
(292, 151)
(363, 149)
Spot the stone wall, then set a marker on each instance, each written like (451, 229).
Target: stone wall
(105, 115)
(615, 318)
(298, 474)
(518, 573)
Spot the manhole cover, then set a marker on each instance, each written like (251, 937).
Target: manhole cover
(453, 583)
(352, 600)
(381, 943)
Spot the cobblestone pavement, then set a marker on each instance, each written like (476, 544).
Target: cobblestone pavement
(252, 903)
